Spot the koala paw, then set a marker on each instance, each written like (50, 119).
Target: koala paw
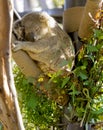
(17, 46)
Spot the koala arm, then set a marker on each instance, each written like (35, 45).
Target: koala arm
(35, 47)
(28, 66)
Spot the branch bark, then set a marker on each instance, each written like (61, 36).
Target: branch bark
(9, 109)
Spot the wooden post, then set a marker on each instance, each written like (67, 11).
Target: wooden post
(88, 19)
(73, 3)
(10, 115)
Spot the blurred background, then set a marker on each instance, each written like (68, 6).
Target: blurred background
(54, 8)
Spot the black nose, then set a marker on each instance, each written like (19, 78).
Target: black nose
(30, 37)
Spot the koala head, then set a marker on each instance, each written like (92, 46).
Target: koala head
(37, 25)
(33, 26)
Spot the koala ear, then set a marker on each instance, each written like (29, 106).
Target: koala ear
(43, 17)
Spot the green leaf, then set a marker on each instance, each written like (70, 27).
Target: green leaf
(81, 72)
(87, 82)
(97, 33)
(98, 112)
(33, 101)
(74, 93)
(91, 48)
(83, 75)
(69, 63)
(91, 57)
(101, 37)
(64, 63)
(65, 81)
(80, 111)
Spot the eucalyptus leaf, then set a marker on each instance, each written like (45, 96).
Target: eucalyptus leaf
(98, 112)
(65, 81)
(83, 75)
(33, 101)
(91, 48)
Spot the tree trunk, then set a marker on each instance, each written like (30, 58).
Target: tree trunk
(10, 115)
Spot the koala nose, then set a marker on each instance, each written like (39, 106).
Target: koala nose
(30, 37)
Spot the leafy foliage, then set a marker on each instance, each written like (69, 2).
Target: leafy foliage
(85, 83)
(37, 110)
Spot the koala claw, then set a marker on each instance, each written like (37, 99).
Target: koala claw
(17, 46)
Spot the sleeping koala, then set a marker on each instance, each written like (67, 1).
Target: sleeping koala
(39, 35)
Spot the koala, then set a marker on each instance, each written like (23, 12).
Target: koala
(39, 35)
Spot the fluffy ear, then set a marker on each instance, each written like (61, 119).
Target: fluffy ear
(46, 18)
